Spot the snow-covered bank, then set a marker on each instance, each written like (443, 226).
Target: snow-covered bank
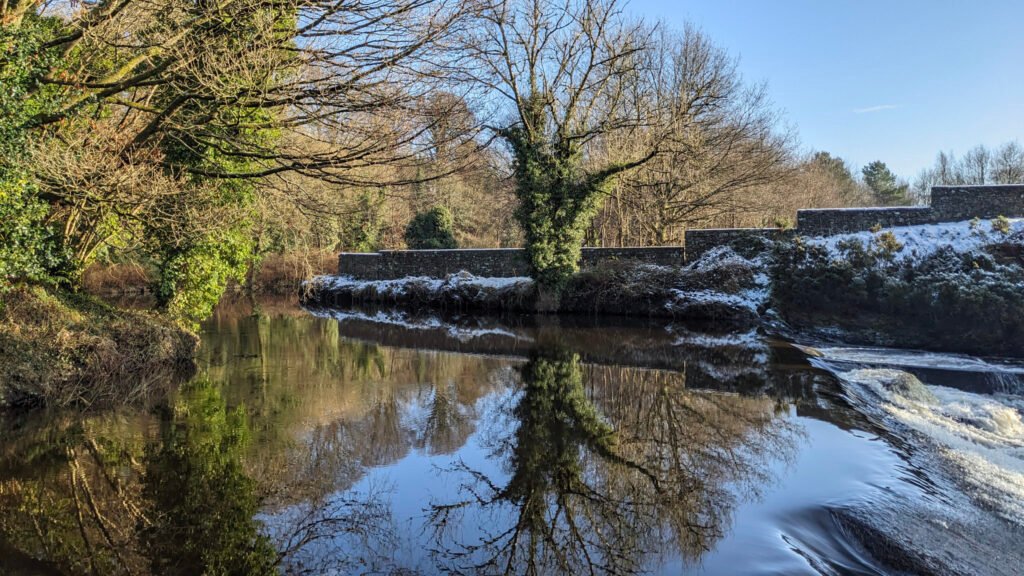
(461, 291)
(952, 287)
(918, 242)
(722, 287)
(409, 284)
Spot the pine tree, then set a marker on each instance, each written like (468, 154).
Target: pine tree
(888, 190)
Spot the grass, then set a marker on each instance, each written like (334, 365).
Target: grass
(59, 349)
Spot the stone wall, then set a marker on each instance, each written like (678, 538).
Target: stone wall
(948, 204)
(702, 241)
(390, 264)
(820, 222)
(953, 203)
(657, 255)
(487, 262)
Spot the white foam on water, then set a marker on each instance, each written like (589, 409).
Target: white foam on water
(981, 437)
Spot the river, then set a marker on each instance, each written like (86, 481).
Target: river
(378, 442)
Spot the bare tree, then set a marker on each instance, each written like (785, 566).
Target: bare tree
(1004, 165)
(727, 142)
(1007, 164)
(974, 166)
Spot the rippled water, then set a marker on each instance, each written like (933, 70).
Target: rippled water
(378, 442)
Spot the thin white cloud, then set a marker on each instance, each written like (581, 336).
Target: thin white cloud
(878, 108)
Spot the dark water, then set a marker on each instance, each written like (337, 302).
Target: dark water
(374, 442)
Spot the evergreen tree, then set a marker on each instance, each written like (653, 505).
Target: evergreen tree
(431, 230)
(888, 190)
(835, 166)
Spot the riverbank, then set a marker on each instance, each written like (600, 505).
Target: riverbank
(59, 349)
(724, 287)
(954, 287)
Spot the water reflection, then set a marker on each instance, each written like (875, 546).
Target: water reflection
(135, 493)
(201, 505)
(309, 444)
(653, 471)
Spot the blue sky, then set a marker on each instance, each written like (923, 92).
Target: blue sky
(894, 80)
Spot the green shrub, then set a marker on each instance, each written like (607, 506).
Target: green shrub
(431, 230)
(887, 246)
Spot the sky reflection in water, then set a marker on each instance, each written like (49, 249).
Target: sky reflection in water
(386, 443)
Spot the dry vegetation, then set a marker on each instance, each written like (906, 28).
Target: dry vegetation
(71, 350)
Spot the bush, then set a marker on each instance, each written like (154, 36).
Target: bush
(1001, 224)
(432, 230)
(966, 302)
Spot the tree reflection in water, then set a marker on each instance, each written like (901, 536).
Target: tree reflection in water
(579, 467)
(109, 502)
(202, 506)
(607, 479)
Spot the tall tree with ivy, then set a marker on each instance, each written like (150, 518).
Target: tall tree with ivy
(570, 72)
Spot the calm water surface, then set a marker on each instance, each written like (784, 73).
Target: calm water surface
(375, 442)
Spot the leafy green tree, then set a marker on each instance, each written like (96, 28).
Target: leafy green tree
(431, 230)
(29, 249)
(154, 129)
(362, 231)
(888, 190)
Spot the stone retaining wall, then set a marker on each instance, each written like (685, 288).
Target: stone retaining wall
(953, 203)
(486, 262)
(948, 204)
(702, 241)
(822, 222)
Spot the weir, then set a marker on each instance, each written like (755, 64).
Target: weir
(948, 204)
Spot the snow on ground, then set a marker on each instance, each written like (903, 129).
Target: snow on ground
(923, 240)
(751, 299)
(748, 300)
